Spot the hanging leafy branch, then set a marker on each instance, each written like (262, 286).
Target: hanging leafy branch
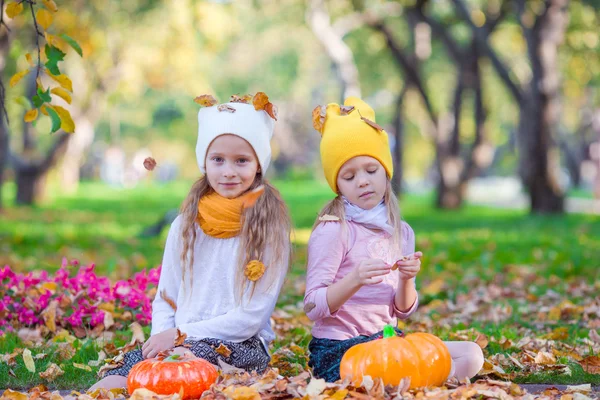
(54, 51)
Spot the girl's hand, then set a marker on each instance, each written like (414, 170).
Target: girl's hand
(371, 271)
(159, 342)
(409, 266)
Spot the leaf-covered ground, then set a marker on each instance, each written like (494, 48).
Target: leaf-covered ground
(526, 288)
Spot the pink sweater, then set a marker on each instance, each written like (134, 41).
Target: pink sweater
(331, 255)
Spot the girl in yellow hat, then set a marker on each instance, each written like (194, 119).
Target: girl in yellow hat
(362, 262)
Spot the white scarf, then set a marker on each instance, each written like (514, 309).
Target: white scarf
(375, 218)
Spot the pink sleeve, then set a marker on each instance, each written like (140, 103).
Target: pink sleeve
(408, 247)
(326, 251)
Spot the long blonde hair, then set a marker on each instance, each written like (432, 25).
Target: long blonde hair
(265, 233)
(336, 208)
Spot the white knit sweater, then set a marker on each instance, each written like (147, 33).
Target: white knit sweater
(212, 310)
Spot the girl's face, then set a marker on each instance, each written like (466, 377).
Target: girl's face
(231, 165)
(362, 180)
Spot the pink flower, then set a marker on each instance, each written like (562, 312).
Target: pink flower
(97, 318)
(6, 272)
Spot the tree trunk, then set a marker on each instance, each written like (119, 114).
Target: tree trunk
(339, 52)
(30, 182)
(398, 144)
(30, 175)
(539, 158)
(3, 152)
(4, 134)
(450, 164)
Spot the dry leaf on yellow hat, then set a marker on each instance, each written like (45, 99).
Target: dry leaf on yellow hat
(206, 100)
(345, 110)
(246, 99)
(372, 124)
(225, 107)
(254, 270)
(318, 118)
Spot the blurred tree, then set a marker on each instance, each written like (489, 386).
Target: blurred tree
(41, 71)
(543, 26)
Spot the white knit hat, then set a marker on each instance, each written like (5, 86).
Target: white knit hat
(256, 127)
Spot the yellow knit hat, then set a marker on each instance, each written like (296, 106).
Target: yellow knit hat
(348, 132)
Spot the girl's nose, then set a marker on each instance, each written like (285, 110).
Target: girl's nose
(228, 172)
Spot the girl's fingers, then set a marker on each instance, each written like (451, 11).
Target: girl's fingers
(373, 273)
(409, 267)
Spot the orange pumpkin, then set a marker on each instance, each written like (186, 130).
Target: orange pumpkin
(421, 356)
(187, 376)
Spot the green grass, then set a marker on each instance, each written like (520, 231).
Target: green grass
(577, 377)
(99, 224)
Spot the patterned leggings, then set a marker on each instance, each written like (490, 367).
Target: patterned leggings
(249, 355)
(326, 354)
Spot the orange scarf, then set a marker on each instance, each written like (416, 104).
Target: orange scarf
(221, 217)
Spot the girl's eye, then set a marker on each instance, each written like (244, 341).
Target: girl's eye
(348, 178)
(243, 160)
(372, 172)
(217, 159)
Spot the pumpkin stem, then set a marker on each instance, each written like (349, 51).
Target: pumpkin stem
(388, 331)
(173, 357)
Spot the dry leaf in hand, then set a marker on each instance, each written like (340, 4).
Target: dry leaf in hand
(372, 124)
(180, 339)
(226, 107)
(51, 373)
(223, 350)
(328, 218)
(345, 110)
(170, 301)
(271, 109)
(260, 100)
(206, 100)
(149, 163)
(254, 270)
(246, 99)
(318, 118)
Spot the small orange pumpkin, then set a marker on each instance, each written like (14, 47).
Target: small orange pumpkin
(421, 356)
(188, 376)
